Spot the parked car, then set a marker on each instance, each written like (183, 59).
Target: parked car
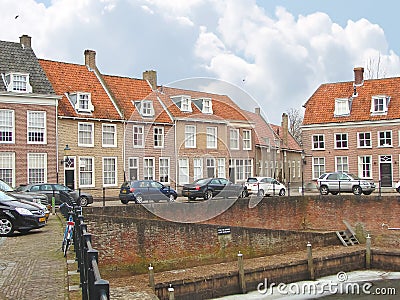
(336, 182)
(50, 189)
(264, 186)
(31, 197)
(18, 215)
(208, 188)
(142, 190)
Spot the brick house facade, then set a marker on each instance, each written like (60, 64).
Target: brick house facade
(354, 127)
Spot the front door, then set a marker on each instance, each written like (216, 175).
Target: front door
(69, 172)
(385, 167)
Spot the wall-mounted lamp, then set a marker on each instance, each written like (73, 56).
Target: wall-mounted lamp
(67, 150)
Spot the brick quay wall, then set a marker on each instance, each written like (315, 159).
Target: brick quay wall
(131, 237)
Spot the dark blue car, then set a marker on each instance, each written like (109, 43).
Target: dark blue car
(145, 190)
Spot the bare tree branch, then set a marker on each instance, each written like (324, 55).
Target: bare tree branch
(295, 121)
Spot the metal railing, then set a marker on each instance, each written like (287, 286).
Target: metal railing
(93, 286)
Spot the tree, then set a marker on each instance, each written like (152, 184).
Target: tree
(374, 69)
(295, 121)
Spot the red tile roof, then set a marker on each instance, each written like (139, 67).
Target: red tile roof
(69, 78)
(223, 107)
(126, 90)
(321, 105)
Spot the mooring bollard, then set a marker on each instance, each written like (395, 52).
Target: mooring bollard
(368, 252)
(171, 294)
(151, 278)
(310, 261)
(242, 282)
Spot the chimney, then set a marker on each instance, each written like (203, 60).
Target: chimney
(25, 41)
(358, 76)
(257, 111)
(151, 77)
(285, 128)
(90, 59)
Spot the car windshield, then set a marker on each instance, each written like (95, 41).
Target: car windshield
(5, 197)
(202, 181)
(5, 187)
(251, 179)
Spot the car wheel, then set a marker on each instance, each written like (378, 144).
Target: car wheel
(6, 226)
(83, 201)
(139, 199)
(208, 195)
(243, 194)
(124, 201)
(367, 193)
(357, 190)
(282, 192)
(334, 193)
(171, 198)
(192, 198)
(260, 193)
(324, 190)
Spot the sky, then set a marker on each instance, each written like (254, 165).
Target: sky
(270, 54)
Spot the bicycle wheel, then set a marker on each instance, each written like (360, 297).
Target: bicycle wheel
(66, 246)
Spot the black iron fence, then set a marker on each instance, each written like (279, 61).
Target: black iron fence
(93, 286)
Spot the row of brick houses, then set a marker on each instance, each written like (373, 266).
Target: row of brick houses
(120, 128)
(354, 127)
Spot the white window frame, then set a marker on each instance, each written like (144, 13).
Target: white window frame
(385, 139)
(36, 126)
(83, 169)
(221, 167)
(139, 133)
(342, 164)
(294, 169)
(207, 106)
(190, 136)
(13, 84)
(197, 168)
(364, 139)
(183, 166)
(109, 135)
(318, 167)
(342, 107)
(318, 142)
(164, 169)
(379, 105)
(234, 138)
(158, 137)
(91, 134)
(341, 141)
(107, 179)
(212, 137)
(38, 162)
(246, 139)
(365, 167)
(133, 165)
(146, 108)
(7, 167)
(210, 165)
(7, 126)
(149, 169)
(186, 104)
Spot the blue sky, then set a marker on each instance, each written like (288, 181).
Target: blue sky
(272, 54)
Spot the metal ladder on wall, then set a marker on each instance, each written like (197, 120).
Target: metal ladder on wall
(348, 236)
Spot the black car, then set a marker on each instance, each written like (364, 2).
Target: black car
(208, 188)
(31, 197)
(19, 216)
(141, 190)
(50, 189)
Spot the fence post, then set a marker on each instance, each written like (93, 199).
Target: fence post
(242, 281)
(104, 196)
(368, 253)
(171, 294)
(151, 278)
(310, 261)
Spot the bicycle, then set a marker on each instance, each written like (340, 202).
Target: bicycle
(68, 234)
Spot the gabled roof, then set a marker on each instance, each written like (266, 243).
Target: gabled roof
(71, 78)
(127, 90)
(16, 58)
(223, 107)
(292, 143)
(321, 105)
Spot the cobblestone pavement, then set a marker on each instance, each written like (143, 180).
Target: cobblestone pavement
(32, 265)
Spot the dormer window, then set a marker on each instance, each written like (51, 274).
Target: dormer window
(342, 107)
(82, 102)
(207, 106)
(379, 105)
(183, 102)
(17, 82)
(147, 109)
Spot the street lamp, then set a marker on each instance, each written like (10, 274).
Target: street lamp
(67, 150)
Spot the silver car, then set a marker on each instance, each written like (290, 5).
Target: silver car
(344, 182)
